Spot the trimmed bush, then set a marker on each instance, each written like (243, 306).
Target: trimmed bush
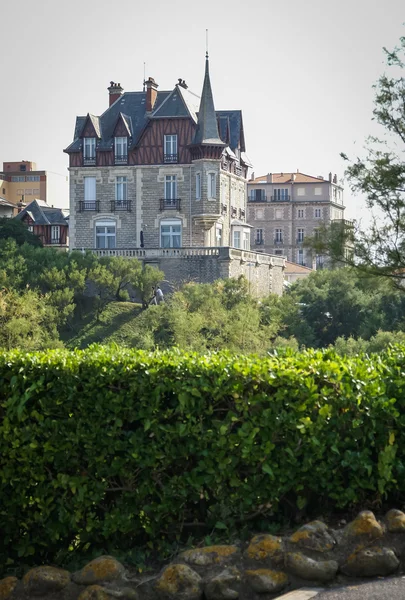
(113, 448)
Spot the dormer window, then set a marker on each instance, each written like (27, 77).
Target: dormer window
(170, 149)
(89, 151)
(121, 150)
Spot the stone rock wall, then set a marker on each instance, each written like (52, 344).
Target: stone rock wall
(314, 555)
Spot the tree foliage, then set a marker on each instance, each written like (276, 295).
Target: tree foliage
(18, 231)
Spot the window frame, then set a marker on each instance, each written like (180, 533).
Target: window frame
(55, 238)
(317, 210)
(211, 185)
(121, 155)
(170, 147)
(198, 186)
(105, 224)
(300, 213)
(300, 234)
(124, 185)
(89, 148)
(171, 234)
(278, 235)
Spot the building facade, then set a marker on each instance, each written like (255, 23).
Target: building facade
(48, 223)
(161, 174)
(155, 170)
(287, 208)
(21, 182)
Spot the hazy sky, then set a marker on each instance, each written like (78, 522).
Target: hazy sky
(302, 72)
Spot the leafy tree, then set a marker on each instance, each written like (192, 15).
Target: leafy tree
(380, 176)
(26, 321)
(18, 231)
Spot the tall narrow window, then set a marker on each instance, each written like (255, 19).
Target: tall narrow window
(121, 150)
(218, 235)
(246, 240)
(318, 213)
(170, 234)
(170, 149)
(300, 257)
(89, 150)
(259, 236)
(300, 235)
(300, 213)
(278, 237)
(236, 239)
(121, 191)
(105, 234)
(55, 234)
(89, 193)
(198, 186)
(280, 195)
(212, 185)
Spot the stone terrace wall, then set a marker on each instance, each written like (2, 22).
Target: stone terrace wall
(264, 272)
(259, 570)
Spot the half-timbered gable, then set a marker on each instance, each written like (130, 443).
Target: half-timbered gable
(48, 223)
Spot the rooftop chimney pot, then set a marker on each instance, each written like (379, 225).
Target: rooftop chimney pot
(151, 93)
(115, 91)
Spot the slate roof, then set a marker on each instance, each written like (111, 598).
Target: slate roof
(288, 178)
(43, 214)
(220, 127)
(207, 125)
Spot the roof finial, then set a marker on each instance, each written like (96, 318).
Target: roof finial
(206, 44)
(144, 75)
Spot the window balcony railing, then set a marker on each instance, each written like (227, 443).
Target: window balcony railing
(170, 203)
(55, 241)
(89, 161)
(261, 198)
(92, 205)
(278, 241)
(300, 240)
(170, 158)
(259, 241)
(120, 205)
(286, 198)
(121, 159)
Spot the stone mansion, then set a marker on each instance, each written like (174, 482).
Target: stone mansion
(162, 176)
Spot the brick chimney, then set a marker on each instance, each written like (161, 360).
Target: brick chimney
(151, 93)
(115, 90)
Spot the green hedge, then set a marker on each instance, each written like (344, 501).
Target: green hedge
(108, 448)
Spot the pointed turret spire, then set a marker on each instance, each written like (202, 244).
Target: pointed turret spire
(207, 127)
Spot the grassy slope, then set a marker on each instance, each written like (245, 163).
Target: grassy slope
(117, 324)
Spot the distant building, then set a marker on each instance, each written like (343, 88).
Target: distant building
(7, 209)
(294, 272)
(286, 208)
(20, 182)
(48, 223)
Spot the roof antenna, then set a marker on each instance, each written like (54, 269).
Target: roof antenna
(206, 43)
(144, 75)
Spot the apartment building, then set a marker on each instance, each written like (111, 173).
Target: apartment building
(21, 182)
(286, 208)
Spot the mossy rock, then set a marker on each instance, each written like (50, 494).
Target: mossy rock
(309, 569)
(179, 582)
(224, 586)
(371, 562)
(210, 555)
(94, 592)
(7, 586)
(314, 536)
(395, 520)
(99, 570)
(265, 548)
(44, 579)
(365, 525)
(266, 581)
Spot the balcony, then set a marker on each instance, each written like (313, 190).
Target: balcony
(121, 159)
(170, 203)
(89, 161)
(261, 198)
(120, 205)
(285, 198)
(170, 159)
(91, 206)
